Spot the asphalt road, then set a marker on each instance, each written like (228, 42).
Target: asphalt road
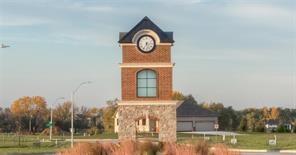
(268, 153)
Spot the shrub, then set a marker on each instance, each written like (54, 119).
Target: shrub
(129, 147)
(202, 147)
(94, 131)
(147, 147)
(126, 147)
(282, 128)
(193, 148)
(221, 149)
(89, 149)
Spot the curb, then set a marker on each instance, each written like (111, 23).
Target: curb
(262, 151)
(288, 151)
(247, 150)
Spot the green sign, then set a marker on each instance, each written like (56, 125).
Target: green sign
(49, 124)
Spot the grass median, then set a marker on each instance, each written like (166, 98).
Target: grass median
(12, 143)
(285, 141)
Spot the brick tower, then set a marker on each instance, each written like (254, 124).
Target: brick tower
(146, 83)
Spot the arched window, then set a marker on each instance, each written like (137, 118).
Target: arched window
(146, 83)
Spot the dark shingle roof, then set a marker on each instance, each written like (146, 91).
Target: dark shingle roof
(146, 23)
(189, 108)
(272, 122)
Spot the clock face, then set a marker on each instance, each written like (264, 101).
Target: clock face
(146, 44)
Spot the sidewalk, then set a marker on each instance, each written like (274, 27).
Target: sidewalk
(263, 151)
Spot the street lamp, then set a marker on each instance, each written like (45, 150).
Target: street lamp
(51, 124)
(72, 107)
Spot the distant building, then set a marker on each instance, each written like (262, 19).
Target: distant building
(271, 125)
(190, 117)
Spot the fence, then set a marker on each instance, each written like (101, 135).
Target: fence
(8, 140)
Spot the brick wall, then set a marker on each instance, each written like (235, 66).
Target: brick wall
(131, 54)
(129, 84)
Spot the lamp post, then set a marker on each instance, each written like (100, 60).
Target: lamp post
(51, 124)
(72, 108)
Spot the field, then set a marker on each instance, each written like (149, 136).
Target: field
(11, 143)
(285, 141)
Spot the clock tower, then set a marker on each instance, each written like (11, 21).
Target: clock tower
(146, 83)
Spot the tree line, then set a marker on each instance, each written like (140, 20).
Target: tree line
(249, 119)
(32, 115)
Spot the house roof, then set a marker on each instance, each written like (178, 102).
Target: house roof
(189, 108)
(272, 122)
(146, 23)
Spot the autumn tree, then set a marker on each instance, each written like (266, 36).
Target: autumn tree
(30, 113)
(274, 113)
(83, 118)
(243, 126)
(96, 121)
(228, 118)
(265, 113)
(217, 107)
(108, 115)
(62, 116)
(178, 96)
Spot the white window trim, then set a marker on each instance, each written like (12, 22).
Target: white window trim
(158, 102)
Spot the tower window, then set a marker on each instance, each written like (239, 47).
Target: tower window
(146, 83)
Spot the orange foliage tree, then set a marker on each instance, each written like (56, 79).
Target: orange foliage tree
(30, 113)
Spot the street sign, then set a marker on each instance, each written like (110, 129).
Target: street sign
(233, 141)
(272, 141)
(216, 126)
(49, 124)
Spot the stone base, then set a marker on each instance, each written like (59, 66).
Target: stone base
(165, 113)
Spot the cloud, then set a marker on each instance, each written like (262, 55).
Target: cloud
(260, 12)
(91, 8)
(8, 20)
(195, 1)
(83, 37)
(252, 55)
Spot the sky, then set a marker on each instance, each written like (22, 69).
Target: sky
(238, 52)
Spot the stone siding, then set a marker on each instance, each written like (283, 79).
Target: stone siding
(128, 114)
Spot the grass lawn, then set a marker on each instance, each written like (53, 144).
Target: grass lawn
(27, 148)
(285, 141)
(10, 143)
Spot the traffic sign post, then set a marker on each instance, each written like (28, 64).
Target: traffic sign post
(49, 124)
(216, 126)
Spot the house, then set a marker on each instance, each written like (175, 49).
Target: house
(190, 117)
(271, 125)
